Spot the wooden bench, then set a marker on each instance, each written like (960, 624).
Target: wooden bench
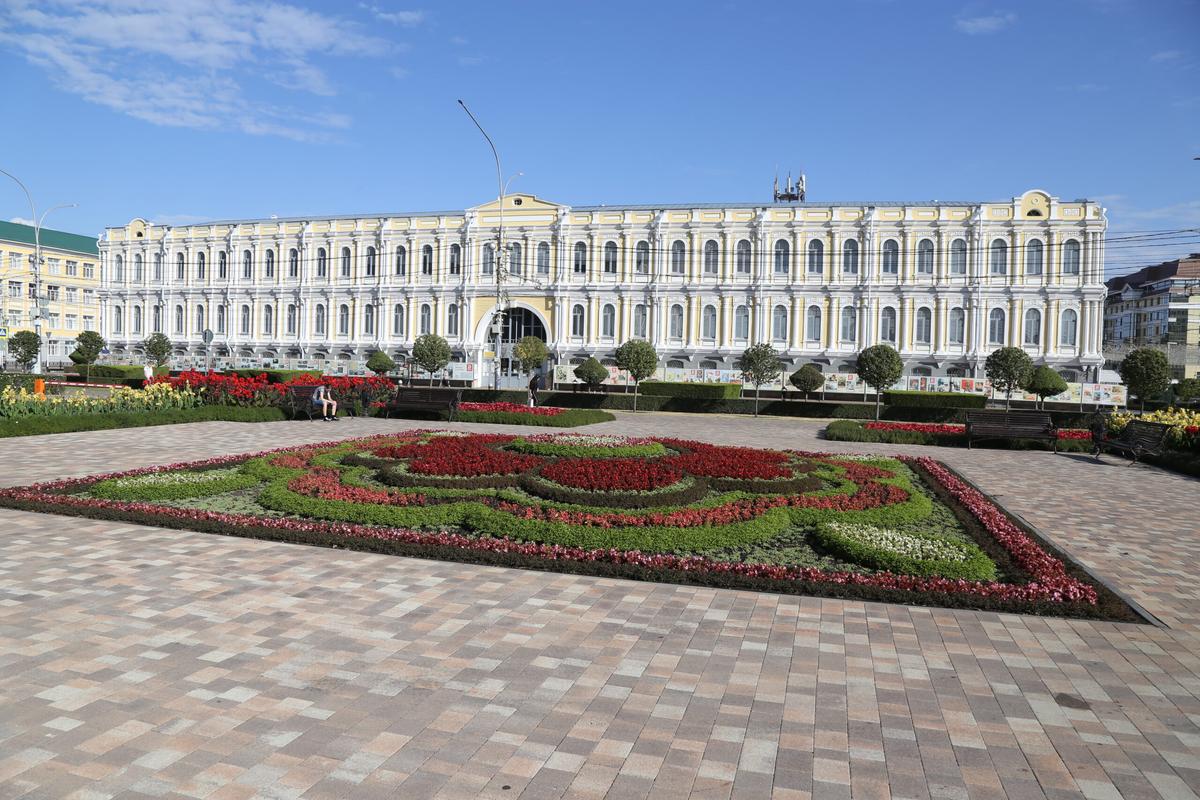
(1011, 425)
(298, 400)
(1138, 439)
(428, 398)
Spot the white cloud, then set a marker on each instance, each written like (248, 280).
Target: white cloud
(188, 63)
(987, 23)
(21, 221)
(1163, 56)
(407, 19)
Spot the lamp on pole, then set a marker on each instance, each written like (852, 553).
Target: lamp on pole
(37, 261)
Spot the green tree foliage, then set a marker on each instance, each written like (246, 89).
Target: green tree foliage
(639, 358)
(158, 349)
(531, 352)
(431, 353)
(1187, 390)
(1146, 372)
(1008, 368)
(380, 362)
(592, 373)
(87, 350)
(759, 364)
(879, 367)
(1045, 382)
(807, 379)
(24, 347)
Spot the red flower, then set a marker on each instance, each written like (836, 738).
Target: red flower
(512, 408)
(612, 474)
(728, 462)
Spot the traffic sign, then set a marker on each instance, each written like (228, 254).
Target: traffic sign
(208, 336)
(3, 332)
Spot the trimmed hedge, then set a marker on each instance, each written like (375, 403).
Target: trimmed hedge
(36, 426)
(118, 372)
(274, 375)
(907, 399)
(18, 380)
(700, 391)
(851, 431)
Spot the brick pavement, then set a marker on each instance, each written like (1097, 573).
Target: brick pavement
(144, 662)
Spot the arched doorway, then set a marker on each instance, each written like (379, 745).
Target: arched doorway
(518, 323)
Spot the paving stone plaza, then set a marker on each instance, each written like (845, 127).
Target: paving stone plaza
(145, 662)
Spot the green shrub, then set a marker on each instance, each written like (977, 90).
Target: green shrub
(17, 380)
(850, 431)
(36, 426)
(118, 372)
(568, 419)
(906, 399)
(275, 375)
(866, 545)
(206, 484)
(704, 391)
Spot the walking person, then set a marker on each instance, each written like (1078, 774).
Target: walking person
(533, 390)
(320, 397)
(1099, 429)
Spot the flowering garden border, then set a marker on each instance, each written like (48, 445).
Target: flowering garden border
(1056, 586)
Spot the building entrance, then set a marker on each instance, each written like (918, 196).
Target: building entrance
(518, 323)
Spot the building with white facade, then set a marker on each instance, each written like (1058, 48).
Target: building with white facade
(944, 282)
(1159, 307)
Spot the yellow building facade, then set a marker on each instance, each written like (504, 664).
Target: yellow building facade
(943, 282)
(67, 287)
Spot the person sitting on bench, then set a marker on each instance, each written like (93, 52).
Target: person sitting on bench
(320, 397)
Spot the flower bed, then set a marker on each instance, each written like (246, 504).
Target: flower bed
(904, 530)
(511, 408)
(951, 429)
(945, 434)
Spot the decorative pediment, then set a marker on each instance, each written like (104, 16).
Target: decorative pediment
(519, 202)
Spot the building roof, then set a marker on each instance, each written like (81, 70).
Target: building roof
(51, 239)
(1179, 268)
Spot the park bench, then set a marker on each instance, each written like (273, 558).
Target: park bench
(427, 398)
(1011, 425)
(1139, 438)
(298, 400)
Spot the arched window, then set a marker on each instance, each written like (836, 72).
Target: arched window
(401, 260)
(958, 326)
(221, 319)
(850, 257)
(199, 319)
(641, 258)
(999, 257)
(370, 262)
(924, 326)
(741, 323)
(675, 320)
(779, 324)
(452, 319)
(345, 262)
(456, 259)
(1033, 327)
(369, 319)
(579, 263)
(891, 257)
(639, 321)
(269, 269)
(290, 320)
(741, 257)
(343, 320)
(319, 323)
(179, 319)
(200, 264)
(816, 255)
(577, 321)
(812, 324)
(711, 257)
(1033, 257)
(323, 262)
(1068, 331)
(293, 263)
(139, 271)
(610, 258)
(426, 319)
(244, 325)
(119, 269)
(398, 320)
(118, 319)
(268, 317)
(489, 259)
(608, 321)
(223, 265)
(708, 323)
(925, 257)
(427, 260)
(543, 258)
(1070, 257)
(678, 256)
(157, 319)
(180, 267)
(247, 265)
(783, 257)
(137, 319)
(958, 257)
(516, 260)
(158, 272)
(849, 324)
(887, 325)
(996, 326)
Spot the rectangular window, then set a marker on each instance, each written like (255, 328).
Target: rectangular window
(14, 288)
(72, 322)
(89, 297)
(89, 322)
(72, 294)
(89, 270)
(52, 293)
(54, 266)
(55, 321)
(72, 269)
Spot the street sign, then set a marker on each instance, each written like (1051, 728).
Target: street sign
(3, 332)
(208, 336)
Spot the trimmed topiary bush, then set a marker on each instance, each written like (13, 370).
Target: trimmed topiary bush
(701, 391)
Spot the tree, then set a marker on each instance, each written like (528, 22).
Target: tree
(158, 349)
(879, 367)
(431, 353)
(807, 379)
(592, 373)
(1187, 390)
(1008, 368)
(1045, 382)
(380, 362)
(24, 347)
(639, 359)
(759, 364)
(531, 352)
(1146, 372)
(88, 346)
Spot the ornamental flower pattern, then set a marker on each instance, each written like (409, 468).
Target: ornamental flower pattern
(954, 429)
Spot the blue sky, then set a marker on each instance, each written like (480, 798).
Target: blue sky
(182, 110)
